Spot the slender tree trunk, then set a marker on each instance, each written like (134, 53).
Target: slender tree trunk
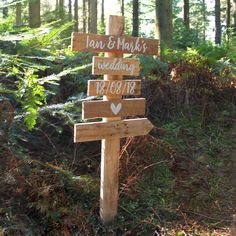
(217, 22)
(234, 15)
(89, 15)
(164, 25)
(76, 16)
(102, 17)
(204, 19)
(135, 31)
(18, 14)
(57, 7)
(93, 15)
(4, 10)
(122, 7)
(34, 14)
(228, 20)
(186, 14)
(70, 10)
(61, 10)
(84, 16)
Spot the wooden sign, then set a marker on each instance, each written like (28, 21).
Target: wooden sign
(114, 87)
(112, 108)
(103, 130)
(116, 66)
(115, 108)
(113, 43)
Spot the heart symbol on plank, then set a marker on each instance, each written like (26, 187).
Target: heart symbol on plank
(116, 108)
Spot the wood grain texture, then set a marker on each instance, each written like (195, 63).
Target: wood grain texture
(110, 149)
(115, 87)
(113, 43)
(108, 130)
(116, 66)
(115, 108)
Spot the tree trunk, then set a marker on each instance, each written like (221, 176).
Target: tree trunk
(93, 16)
(234, 15)
(84, 16)
(122, 7)
(204, 19)
(4, 10)
(89, 15)
(228, 20)
(57, 7)
(61, 10)
(34, 14)
(76, 16)
(135, 31)
(18, 14)
(186, 14)
(70, 10)
(217, 22)
(102, 17)
(164, 25)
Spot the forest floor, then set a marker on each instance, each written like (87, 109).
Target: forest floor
(225, 200)
(204, 188)
(179, 180)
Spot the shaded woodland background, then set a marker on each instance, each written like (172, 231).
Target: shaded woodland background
(179, 180)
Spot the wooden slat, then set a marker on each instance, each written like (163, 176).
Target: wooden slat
(116, 66)
(112, 43)
(107, 130)
(110, 147)
(115, 108)
(114, 87)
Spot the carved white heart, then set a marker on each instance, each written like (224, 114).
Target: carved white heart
(116, 108)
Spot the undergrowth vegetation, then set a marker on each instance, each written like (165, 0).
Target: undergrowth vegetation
(178, 180)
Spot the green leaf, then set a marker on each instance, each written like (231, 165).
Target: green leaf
(30, 118)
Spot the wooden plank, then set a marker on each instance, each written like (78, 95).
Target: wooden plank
(114, 87)
(110, 147)
(115, 108)
(116, 66)
(107, 130)
(113, 43)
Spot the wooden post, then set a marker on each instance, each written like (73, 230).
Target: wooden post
(110, 147)
(113, 107)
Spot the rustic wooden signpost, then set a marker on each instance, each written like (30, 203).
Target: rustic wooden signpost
(112, 108)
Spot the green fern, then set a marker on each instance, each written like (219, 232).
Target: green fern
(31, 95)
(45, 37)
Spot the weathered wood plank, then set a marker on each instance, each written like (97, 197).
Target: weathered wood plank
(113, 43)
(115, 108)
(107, 130)
(110, 148)
(114, 87)
(116, 66)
